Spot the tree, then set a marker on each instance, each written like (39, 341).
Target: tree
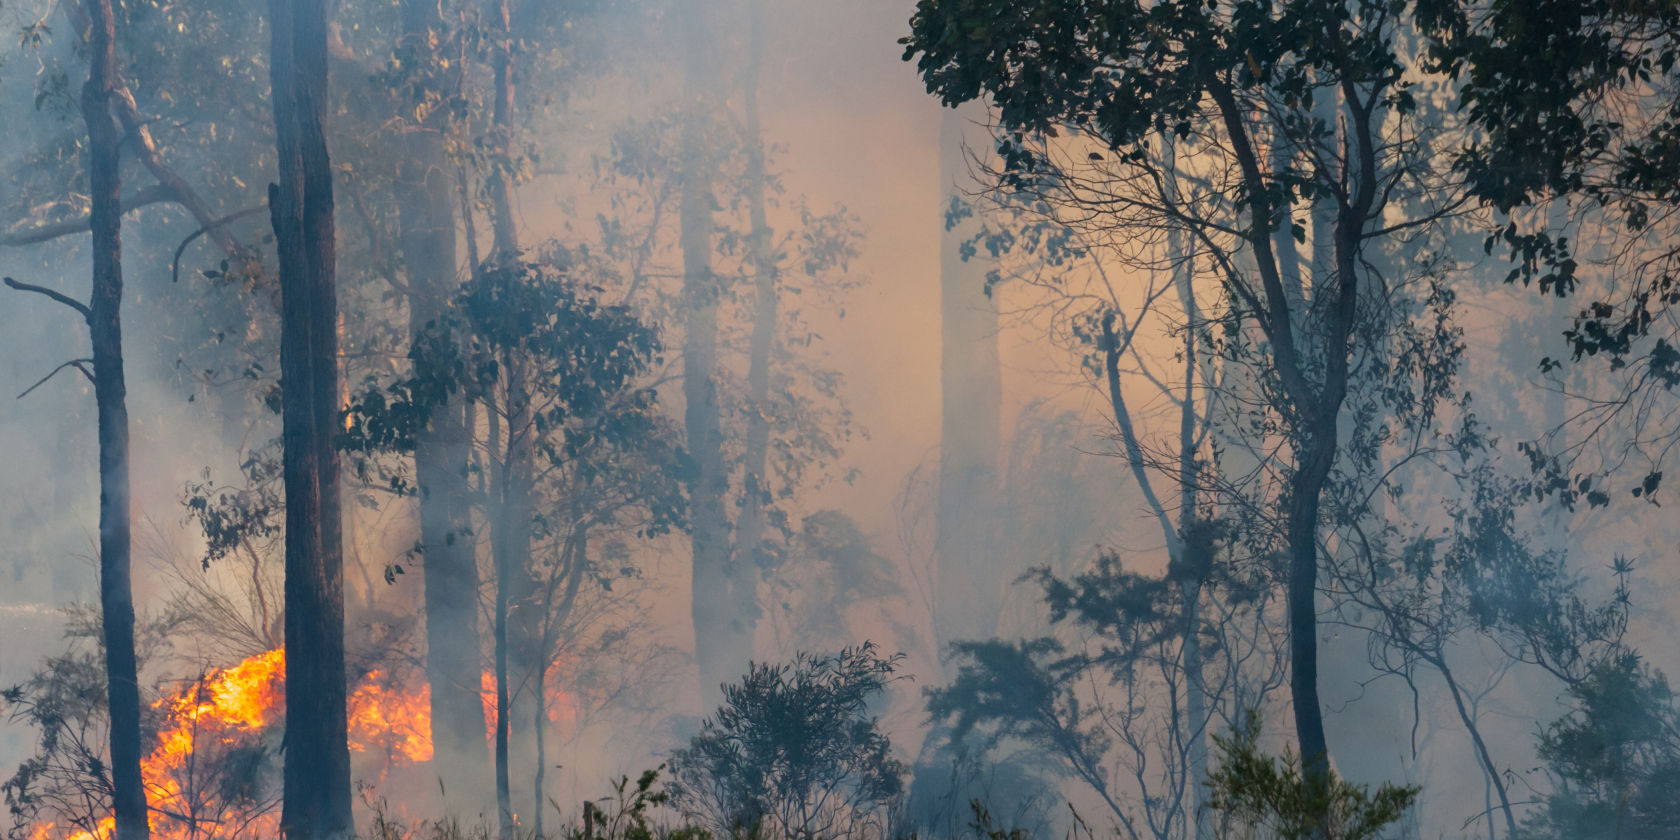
(104, 319)
(720, 648)
(426, 214)
(316, 780)
(1091, 695)
(600, 455)
(1217, 85)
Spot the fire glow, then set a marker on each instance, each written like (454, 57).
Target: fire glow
(216, 734)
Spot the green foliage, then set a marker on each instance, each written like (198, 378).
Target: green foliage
(1614, 758)
(793, 751)
(579, 363)
(1264, 796)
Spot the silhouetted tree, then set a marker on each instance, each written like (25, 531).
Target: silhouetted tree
(316, 781)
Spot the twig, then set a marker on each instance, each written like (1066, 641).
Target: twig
(87, 314)
(175, 265)
(78, 364)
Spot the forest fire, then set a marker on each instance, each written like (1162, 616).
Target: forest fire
(218, 738)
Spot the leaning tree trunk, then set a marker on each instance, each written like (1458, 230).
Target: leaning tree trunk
(969, 579)
(717, 651)
(426, 214)
(316, 784)
(116, 591)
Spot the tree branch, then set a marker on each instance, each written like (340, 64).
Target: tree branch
(175, 265)
(78, 364)
(87, 314)
(155, 194)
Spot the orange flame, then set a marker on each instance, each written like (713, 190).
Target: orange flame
(232, 709)
(225, 723)
(397, 723)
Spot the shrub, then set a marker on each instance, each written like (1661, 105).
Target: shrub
(794, 752)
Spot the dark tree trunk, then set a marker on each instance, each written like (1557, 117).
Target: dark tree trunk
(1312, 467)
(970, 581)
(717, 649)
(499, 621)
(316, 787)
(116, 591)
(453, 658)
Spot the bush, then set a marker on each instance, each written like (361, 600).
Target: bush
(1614, 759)
(794, 752)
(1258, 795)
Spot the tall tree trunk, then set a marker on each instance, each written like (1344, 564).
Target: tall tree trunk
(116, 591)
(504, 699)
(716, 650)
(516, 590)
(426, 215)
(499, 621)
(970, 581)
(539, 730)
(749, 543)
(316, 787)
(1195, 558)
(503, 227)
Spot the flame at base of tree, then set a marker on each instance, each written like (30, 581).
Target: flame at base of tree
(213, 767)
(212, 770)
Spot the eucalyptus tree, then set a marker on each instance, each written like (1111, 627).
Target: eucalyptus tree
(1209, 88)
(104, 319)
(603, 458)
(715, 247)
(316, 780)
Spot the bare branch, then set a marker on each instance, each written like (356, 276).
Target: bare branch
(78, 364)
(155, 194)
(87, 314)
(175, 265)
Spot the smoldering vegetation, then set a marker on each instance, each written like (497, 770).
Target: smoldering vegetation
(768, 418)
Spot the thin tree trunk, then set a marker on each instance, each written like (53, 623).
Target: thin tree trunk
(504, 799)
(116, 591)
(516, 590)
(427, 217)
(749, 543)
(1195, 567)
(316, 786)
(718, 658)
(504, 230)
(499, 625)
(539, 731)
(1483, 755)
